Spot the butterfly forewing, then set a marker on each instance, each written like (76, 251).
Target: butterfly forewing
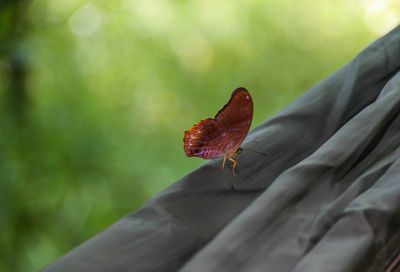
(235, 117)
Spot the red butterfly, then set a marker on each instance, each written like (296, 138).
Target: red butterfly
(223, 135)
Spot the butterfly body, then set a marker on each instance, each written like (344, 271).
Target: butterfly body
(223, 135)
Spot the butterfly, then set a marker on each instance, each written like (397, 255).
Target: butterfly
(223, 135)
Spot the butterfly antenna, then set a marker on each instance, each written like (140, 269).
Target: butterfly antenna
(255, 140)
(263, 154)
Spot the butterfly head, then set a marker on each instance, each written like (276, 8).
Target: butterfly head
(239, 151)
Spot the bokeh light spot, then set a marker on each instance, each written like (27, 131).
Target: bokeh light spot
(154, 15)
(194, 52)
(380, 16)
(85, 21)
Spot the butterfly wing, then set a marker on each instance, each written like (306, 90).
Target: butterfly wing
(205, 140)
(235, 117)
(212, 138)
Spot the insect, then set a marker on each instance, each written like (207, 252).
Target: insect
(223, 135)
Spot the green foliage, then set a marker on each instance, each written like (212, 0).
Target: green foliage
(112, 85)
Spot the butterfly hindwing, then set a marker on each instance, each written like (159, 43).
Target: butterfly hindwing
(204, 140)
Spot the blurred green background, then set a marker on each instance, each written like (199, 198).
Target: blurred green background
(95, 96)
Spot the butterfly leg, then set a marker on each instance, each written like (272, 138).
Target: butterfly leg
(223, 164)
(234, 165)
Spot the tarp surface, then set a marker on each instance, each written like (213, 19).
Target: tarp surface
(325, 198)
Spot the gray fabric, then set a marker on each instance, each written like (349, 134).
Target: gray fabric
(325, 198)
